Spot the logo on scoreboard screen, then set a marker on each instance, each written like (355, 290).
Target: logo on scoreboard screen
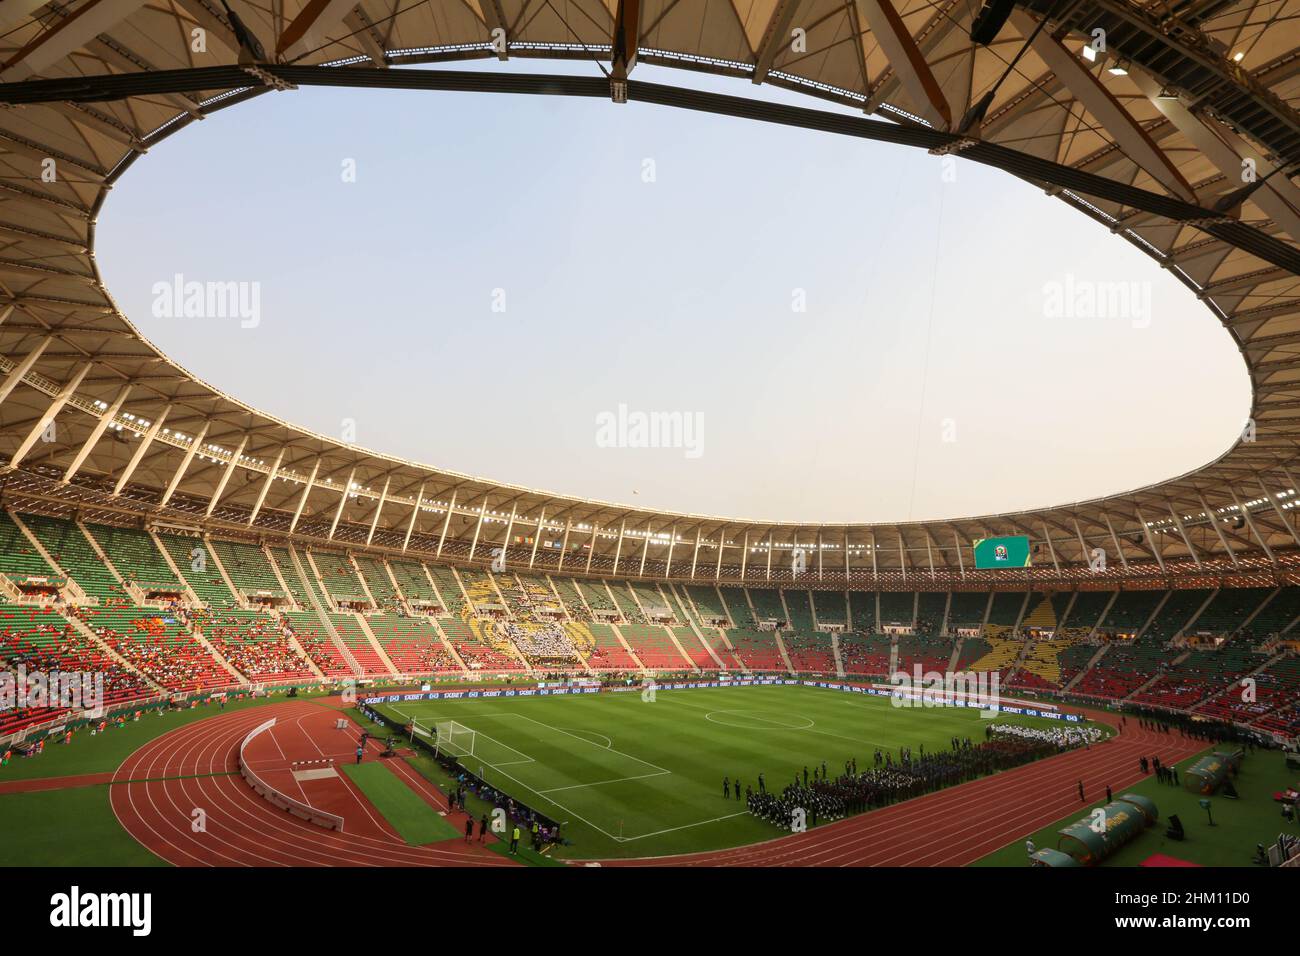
(1006, 552)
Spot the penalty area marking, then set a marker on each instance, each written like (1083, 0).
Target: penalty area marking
(774, 723)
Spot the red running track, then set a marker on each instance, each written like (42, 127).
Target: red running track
(158, 788)
(951, 827)
(959, 825)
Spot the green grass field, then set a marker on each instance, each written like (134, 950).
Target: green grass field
(629, 778)
(414, 820)
(1238, 824)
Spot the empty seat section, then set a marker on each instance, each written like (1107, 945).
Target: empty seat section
(757, 649)
(413, 581)
(831, 608)
(967, 609)
(350, 632)
(733, 600)
(247, 567)
(200, 573)
(567, 588)
(863, 605)
(135, 556)
(653, 646)
(606, 653)
(338, 576)
(626, 602)
(66, 544)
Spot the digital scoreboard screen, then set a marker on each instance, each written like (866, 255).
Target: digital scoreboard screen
(993, 553)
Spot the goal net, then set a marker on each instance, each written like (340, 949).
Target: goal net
(454, 738)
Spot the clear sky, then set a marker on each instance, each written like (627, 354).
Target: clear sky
(930, 374)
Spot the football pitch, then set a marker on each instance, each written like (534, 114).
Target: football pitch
(634, 778)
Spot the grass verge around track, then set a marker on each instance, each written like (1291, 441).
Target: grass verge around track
(1238, 824)
(414, 820)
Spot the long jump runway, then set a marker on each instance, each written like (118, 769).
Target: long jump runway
(182, 796)
(959, 825)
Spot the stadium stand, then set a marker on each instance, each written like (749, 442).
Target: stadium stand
(19, 560)
(967, 609)
(810, 652)
(317, 643)
(39, 639)
(899, 607)
(248, 569)
(832, 608)
(65, 543)
(255, 645)
(652, 646)
(414, 583)
(863, 605)
(572, 600)
(158, 645)
(865, 654)
(737, 606)
(379, 583)
(929, 611)
(412, 644)
(607, 652)
(136, 557)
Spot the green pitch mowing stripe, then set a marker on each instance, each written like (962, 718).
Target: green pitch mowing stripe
(414, 820)
(630, 778)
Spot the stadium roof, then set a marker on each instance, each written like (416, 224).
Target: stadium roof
(1149, 136)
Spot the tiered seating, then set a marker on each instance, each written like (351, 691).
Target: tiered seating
(18, 558)
(626, 602)
(929, 611)
(1006, 608)
(767, 607)
(810, 652)
(41, 640)
(135, 556)
(1085, 612)
(606, 653)
(831, 607)
(799, 604)
(651, 599)
(865, 654)
(652, 646)
(380, 584)
(247, 567)
(733, 600)
(1277, 615)
(1203, 673)
(863, 606)
(568, 591)
(474, 649)
(1123, 670)
(972, 650)
(597, 597)
(1175, 615)
(254, 644)
(931, 652)
(1042, 611)
(413, 581)
(1276, 688)
(69, 547)
(1074, 659)
(317, 643)
(350, 632)
(292, 579)
(1229, 609)
(757, 649)
(338, 576)
(967, 609)
(412, 644)
(158, 645)
(207, 584)
(696, 651)
(452, 595)
(1129, 612)
(708, 606)
(899, 607)
(1042, 667)
(1284, 721)
(1001, 654)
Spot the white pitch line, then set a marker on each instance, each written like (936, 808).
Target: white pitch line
(601, 783)
(687, 826)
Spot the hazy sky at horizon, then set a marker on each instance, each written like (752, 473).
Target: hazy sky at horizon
(926, 378)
